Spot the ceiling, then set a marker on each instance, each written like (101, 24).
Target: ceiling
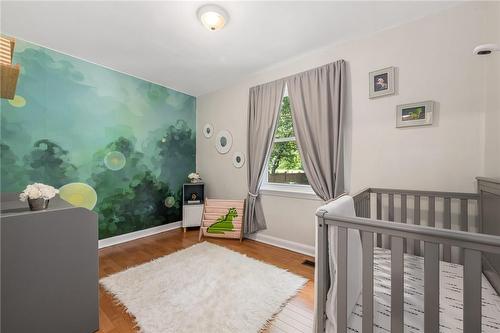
(163, 42)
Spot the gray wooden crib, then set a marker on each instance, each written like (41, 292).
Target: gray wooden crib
(465, 229)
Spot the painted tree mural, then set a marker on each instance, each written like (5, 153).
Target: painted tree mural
(112, 143)
(48, 163)
(174, 152)
(11, 172)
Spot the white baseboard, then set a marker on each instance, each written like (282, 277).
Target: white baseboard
(283, 243)
(138, 234)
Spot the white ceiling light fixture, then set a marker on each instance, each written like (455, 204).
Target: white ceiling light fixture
(486, 49)
(213, 17)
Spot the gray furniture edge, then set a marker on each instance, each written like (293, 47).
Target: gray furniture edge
(489, 215)
(472, 245)
(49, 261)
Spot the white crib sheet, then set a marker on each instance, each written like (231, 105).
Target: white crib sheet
(451, 295)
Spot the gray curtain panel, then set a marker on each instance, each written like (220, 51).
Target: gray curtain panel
(318, 103)
(263, 109)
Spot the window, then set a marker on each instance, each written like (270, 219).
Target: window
(285, 165)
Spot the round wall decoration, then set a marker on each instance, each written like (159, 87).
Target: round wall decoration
(223, 142)
(238, 159)
(114, 160)
(79, 195)
(169, 202)
(208, 130)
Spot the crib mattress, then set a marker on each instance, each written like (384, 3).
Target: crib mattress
(451, 295)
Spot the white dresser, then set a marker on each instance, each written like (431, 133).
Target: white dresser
(193, 202)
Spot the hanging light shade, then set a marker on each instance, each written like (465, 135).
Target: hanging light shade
(213, 17)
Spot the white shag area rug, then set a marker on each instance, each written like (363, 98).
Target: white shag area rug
(203, 289)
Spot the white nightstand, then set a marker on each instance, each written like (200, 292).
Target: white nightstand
(192, 210)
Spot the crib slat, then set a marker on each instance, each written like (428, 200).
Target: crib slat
(403, 208)
(390, 218)
(472, 291)
(379, 217)
(404, 214)
(323, 274)
(431, 287)
(397, 285)
(464, 212)
(391, 207)
(432, 212)
(367, 281)
(447, 225)
(416, 221)
(367, 206)
(359, 208)
(342, 280)
(464, 225)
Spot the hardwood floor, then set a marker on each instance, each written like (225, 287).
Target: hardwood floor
(296, 316)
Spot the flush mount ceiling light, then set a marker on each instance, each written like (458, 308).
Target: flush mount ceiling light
(486, 49)
(213, 17)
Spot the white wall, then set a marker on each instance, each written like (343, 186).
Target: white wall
(491, 69)
(434, 61)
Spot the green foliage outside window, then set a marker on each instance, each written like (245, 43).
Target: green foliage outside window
(285, 157)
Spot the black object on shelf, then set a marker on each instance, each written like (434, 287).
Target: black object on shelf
(193, 193)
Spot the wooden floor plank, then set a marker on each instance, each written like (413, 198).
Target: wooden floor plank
(296, 317)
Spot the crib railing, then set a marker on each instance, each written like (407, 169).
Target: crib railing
(473, 244)
(364, 208)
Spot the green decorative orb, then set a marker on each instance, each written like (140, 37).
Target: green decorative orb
(114, 160)
(169, 202)
(18, 101)
(79, 195)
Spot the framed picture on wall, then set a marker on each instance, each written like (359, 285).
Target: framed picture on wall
(382, 82)
(415, 114)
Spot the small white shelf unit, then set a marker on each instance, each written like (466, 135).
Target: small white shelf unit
(192, 210)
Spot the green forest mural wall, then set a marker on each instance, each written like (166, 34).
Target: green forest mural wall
(110, 142)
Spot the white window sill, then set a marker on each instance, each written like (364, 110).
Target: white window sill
(288, 191)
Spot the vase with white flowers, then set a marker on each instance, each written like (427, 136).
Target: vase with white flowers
(194, 177)
(38, 195)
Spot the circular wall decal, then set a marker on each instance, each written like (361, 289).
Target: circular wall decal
(224, 141)
(169, 202)
(238, 159)
(79, 195)
(114, 160)
(18, 101)
(208, 130)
